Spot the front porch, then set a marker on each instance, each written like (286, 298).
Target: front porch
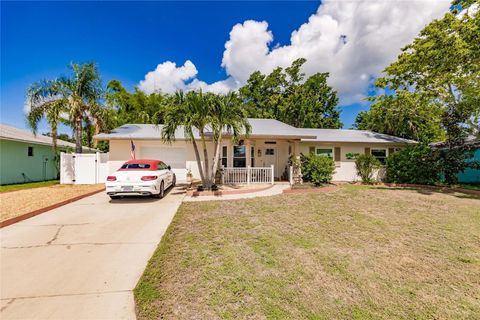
(258, 161)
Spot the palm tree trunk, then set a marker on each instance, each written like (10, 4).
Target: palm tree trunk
(205, 159)
(97, 131)
(78, 135)
(217, 157)
(199, 161)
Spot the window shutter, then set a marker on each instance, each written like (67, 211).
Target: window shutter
(311, 149)
(367, 150)
(337, 153)
(391, 151)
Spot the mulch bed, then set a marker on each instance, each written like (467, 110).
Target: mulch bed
(194, 193)
(34, 213)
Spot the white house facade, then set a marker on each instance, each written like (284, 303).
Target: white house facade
(270, 143)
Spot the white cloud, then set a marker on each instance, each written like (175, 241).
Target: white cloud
(353, 40)
(168, 78)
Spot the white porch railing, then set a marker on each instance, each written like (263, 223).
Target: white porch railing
(248, 175)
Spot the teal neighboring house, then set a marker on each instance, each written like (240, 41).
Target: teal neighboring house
(25, 157)
(471, 175)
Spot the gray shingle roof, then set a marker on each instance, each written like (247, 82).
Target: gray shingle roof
(471, 140)
(261, 128)
(350, 135)
(8, 132)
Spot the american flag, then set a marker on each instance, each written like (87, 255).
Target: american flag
(132, 150)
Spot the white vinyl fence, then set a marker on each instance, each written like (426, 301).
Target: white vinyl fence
(248, 175)
(83, 168)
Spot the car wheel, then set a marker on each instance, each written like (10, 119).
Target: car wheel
(162, 191)
(114, 197)
(174, 181)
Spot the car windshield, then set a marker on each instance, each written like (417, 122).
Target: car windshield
(136, 166)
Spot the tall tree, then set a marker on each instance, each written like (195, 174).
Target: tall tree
(136, 106)
(285, 95)
(442, 66)
(405, 115)
(76, 96)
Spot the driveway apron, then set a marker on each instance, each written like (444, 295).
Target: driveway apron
(82, 260)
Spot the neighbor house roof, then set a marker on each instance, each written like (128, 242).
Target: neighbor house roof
(261, 128)
(8, 132)
(471, 140)
(350, 135)
(267, 128)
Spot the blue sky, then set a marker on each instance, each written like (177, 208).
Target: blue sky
(129, 39)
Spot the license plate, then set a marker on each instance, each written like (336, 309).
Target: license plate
(127, 188)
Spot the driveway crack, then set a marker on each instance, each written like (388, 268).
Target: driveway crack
(7, 304)
(56, 234)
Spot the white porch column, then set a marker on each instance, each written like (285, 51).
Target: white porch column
(273, 174)
(248, 156)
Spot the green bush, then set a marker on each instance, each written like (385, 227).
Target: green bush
(317, 169)
(366, 165)
(418, 164)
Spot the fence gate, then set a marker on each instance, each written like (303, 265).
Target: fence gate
(87, 168)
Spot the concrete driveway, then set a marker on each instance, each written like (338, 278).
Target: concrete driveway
(81, 261)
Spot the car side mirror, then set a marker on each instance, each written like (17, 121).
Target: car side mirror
(169, 168)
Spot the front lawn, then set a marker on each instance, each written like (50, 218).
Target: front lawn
(356, 253)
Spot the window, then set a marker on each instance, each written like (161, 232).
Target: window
(30, 151)
(224, 156)
(252, 157)
(136, 166)
(270, 152)
(325, 152)
(162, 166)
(239, 157)
(380, 154)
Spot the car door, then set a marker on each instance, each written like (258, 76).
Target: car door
(165, 173)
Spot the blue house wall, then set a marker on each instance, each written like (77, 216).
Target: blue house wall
(471, 175)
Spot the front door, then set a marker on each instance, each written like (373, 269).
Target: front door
(271, 158)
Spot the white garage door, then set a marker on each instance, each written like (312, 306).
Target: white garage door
(172, 156)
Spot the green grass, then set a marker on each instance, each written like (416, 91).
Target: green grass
(362, 252)
(11, 187)
(471, 186)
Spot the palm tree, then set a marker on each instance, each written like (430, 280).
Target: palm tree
(202, 113)
(187, 111)
(228, 117)
(41, 97)
(76, 97)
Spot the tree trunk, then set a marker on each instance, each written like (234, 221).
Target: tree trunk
(206, 162)
(78, 135)
(97, 131)
(55, 159)
(199, 160)
(217, 157)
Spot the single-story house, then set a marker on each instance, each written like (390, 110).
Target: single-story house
(470, 175)
(270, 143)
(25, 157)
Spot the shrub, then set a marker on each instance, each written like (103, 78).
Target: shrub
(317, 169)
(417, 164)
(366, 165)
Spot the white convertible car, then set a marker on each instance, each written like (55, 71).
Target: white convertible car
(140, 177)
